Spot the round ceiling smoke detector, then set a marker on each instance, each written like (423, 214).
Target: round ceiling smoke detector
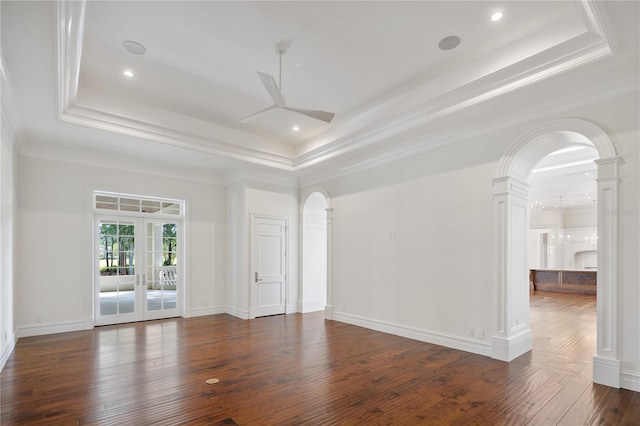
(134, 47)
(448, 43)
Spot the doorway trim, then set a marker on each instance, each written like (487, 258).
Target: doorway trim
(511, 333)
(94, 211)
(253, 260)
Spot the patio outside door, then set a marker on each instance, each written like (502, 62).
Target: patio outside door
(137, 269)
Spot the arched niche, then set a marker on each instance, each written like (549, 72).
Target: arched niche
(316, 216)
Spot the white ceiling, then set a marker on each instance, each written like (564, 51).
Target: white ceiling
(344, 57)
(377, 65)
(565, 178)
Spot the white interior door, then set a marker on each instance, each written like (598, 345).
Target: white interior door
(137, 269)
(269, 244)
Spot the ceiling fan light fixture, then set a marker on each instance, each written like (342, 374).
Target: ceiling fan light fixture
(275, 92)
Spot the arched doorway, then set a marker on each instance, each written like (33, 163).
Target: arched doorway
(511, 332)
(315, 222)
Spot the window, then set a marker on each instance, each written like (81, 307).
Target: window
(133, 204)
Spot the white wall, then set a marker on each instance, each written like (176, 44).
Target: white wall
(55, 253)
(412, 245)
(237, 251)
(413, 240)
(574, 224)
(581, 217)
(8, 216)
(246, 197)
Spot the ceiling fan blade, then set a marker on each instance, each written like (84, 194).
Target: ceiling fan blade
(271, 86)
(255, 114)
(318, 115)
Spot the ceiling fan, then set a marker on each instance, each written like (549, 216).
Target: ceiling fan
(275, 91)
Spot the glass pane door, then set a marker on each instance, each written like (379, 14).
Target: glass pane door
(162, 263)
(117, 277)
(138, 269)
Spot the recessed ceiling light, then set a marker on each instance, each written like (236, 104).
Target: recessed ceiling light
(496, 16)
(296, 128)
(134, 47)
(128, 73)
(449, 42)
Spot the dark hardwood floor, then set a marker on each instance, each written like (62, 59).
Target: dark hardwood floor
(300, 369)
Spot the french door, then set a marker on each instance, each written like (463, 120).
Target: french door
(137, 269)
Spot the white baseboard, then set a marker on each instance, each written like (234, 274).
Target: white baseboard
(508, 349)
(630, 380)
(328, 312)
(606, 371)
(209, 310)
(456, 342)
(50, 328)
(291, 309)
(313, 305)
(88, 323)
(7, 351)
(237, 313)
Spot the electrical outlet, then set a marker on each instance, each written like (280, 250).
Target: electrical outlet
(478, 333)
(470, 332)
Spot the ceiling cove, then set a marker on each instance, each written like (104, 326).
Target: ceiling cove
(388, 117)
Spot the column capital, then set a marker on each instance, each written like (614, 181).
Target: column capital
(608, 168)
(509, 185)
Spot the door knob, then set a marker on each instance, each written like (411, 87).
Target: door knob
(258, 279)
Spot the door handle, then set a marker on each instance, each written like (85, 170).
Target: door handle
(258, 279)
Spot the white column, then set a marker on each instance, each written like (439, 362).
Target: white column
(511, 332)
(606, 364)
(328, 310)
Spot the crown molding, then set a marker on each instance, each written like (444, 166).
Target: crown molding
(91, 117)
(398, 148)
(569, 55)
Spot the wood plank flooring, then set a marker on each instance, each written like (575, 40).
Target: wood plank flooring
(300, 369)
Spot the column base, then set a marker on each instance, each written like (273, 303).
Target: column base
(507, 349)
(606, 371)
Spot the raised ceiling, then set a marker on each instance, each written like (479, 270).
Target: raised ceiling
(376, 65)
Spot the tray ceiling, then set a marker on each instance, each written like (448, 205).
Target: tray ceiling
(375, 64)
